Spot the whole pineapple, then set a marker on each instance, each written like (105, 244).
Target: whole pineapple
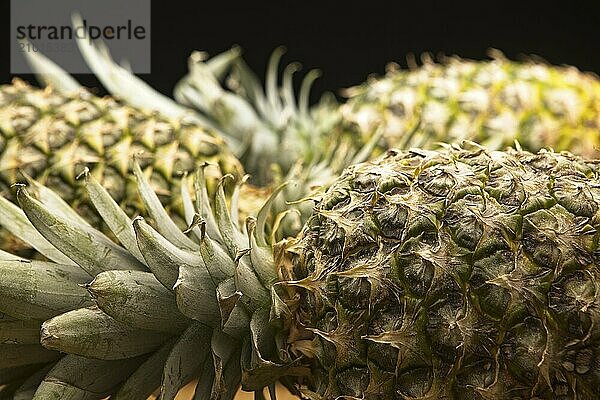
(455, 274)
(494, 103)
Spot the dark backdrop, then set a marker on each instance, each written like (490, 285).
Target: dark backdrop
(349, 42)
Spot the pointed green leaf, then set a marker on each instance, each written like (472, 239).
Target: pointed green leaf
(123, 84)
(219, 264)
(90, 332)
(259, 364)
(261, 258)
(233, 239)
(112, 214)
(235, 320)
(79, 378)
(195, 290)
(186, 360)
(304, 96)
(50, 74)
(287, 88)
(144, 381)
(203, 205)
(226, 356)
(90, 249)
(14, 220)
(188, 207)
(249, 83)
(38, 290)
(165, 225)
(219, 64)
(163, 257)
(255, 293)
(263, 214)
(54, 202)
(138, 300)
(271, 78)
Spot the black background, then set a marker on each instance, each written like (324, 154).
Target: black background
(347, 43)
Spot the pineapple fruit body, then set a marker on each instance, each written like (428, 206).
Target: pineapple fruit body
(455, 274)
(494, 103)
(460, 274)
(52, 138)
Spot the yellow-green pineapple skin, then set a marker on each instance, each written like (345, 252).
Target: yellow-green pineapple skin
(494, 103)
(52, 138)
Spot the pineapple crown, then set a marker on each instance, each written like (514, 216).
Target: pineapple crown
(214, 285)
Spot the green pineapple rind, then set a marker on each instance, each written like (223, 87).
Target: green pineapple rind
(459, 274)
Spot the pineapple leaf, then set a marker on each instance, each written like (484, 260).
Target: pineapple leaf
(116, 219)
(50, 74)
(124, 84)
(138, 300)
(142, 383)
(195, 293)
(38, 290)
(186, 360)
(16, 223)
(54, 202)
(247, 281)
(203, 205)
(75, 377)
(220, 64)
(234, 316)
(165, 225)
(90, 332)
(188, 208)
(89, 248)
(271, 77)
(232, 237)
(226, 358)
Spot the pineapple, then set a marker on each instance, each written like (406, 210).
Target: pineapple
(53, 137)
(491, 102)
(463, 273)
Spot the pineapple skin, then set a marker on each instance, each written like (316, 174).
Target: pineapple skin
(494, 103)
(461, 274)
(52, 138)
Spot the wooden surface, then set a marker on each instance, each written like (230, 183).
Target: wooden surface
(187, 393)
